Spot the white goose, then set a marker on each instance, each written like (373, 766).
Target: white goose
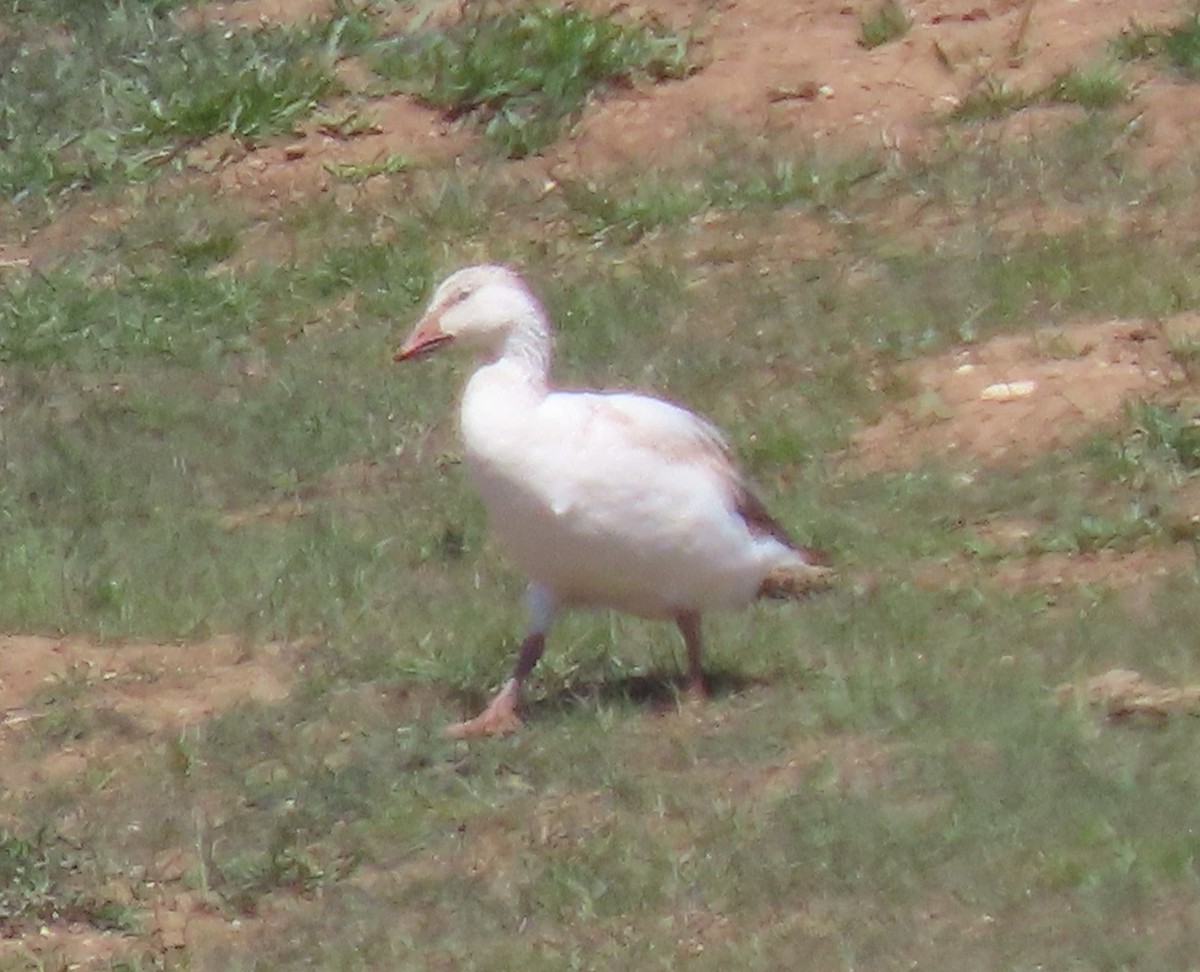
(604, 499)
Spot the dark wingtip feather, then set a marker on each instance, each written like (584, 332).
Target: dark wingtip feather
(751, 509)
(814, 556)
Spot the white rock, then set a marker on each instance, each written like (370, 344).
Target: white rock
(1008, 391)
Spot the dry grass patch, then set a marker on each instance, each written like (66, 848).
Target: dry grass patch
(1123, 692)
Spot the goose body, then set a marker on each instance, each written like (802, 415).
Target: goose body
(603, 499)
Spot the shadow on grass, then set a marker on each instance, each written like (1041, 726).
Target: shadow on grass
(654, 691)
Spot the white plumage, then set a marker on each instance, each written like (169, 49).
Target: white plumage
(603, 499)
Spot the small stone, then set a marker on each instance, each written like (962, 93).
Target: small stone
(1008, 391)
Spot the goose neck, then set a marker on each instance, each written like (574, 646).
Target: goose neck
(527, 347)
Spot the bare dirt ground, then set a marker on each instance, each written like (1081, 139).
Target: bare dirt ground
(1017, 396)
(134, 693)
(133, 698)
(784, 71)
(769, 70)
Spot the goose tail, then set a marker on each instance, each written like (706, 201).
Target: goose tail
(808, 573)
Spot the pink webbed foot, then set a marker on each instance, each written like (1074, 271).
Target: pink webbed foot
(498, 719)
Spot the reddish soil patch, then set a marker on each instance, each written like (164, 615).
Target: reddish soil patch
(256, 13)
(180, 923)
(854, 764)
(1017, 396)
(158, 686)
(392, 130)
(797, 73)
(134, 694)
(785, 73)
(1136, 571)
(1134, 574)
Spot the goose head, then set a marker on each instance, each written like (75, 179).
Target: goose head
(488, 307)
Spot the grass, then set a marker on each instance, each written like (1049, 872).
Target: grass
(1095, 88)
(1138, 43)
(40, 881)
(1180, 45)
(526, 72)
(387, 165)
(201, 440)
(177, 316)
(991, 99)
(887, 22)
(909, 794)
(1170, 434)
(125, 86)
(661, 199)
(1156, 456)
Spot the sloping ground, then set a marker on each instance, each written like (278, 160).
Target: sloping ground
(787, 75)
(791, 73)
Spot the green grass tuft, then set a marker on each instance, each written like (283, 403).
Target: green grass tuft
(991, 99)
(1173, 432)
(123, 88)
(655, 200)
(1180, 45)
(1093, 88)
(527, 72)
(241, 83)
(40, 884)
(1138, 43)
(179, 316)
(889, 21)
(1159, 450)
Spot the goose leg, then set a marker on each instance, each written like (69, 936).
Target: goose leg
(500, 718)
(689, 627)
